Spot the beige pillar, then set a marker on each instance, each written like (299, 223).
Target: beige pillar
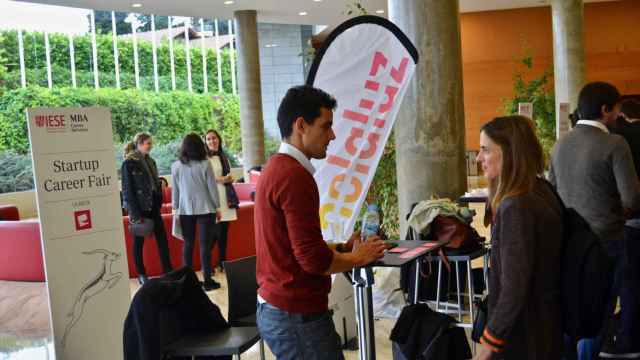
(430, 132)
(568, 55)
(249, 90)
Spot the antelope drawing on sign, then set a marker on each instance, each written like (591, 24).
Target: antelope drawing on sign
(103, 280)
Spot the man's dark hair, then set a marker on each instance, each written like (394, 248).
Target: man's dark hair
(302, 101)
(631, 108)
(595, 95)
(192, 149)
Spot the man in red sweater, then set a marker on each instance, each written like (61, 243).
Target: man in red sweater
(294, 263)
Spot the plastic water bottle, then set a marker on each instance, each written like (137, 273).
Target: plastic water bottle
(370, 222)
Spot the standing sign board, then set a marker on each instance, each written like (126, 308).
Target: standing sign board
(366, 63)
(81, 230)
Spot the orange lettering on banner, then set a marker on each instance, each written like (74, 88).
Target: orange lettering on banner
(357, 189)
(346, 212)
(355, 116)
(357, 133)
(350, 145)
(373, 139)
(338, 161)
(333, 192)
(351, 197)
(324, 211)
(362, 168)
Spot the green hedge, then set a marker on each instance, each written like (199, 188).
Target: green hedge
(16, 172)
(35, 62)
(168, 116)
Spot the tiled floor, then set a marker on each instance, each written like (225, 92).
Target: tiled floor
(24, 322)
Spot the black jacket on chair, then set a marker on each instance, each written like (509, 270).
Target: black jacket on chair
(166, 309)
(422, 333)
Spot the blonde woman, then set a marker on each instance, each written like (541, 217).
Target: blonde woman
(142, 197)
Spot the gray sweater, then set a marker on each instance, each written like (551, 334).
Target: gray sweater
(194, 190)
(594, 173)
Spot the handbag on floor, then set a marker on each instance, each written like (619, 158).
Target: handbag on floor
(480, 321)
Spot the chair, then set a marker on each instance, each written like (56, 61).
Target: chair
(243, 293)
(233, 341)
(243, 334)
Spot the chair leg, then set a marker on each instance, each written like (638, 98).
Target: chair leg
(485, 270)
(262, 349)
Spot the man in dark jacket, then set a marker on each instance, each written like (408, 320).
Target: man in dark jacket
(628, 126)
(594, 174)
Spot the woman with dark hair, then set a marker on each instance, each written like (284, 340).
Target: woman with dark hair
(142, 198)
(524, 318)
(228, 196)
(195, 200)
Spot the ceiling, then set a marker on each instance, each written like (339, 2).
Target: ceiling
(322, 12)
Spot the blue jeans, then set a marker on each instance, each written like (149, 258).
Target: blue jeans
(296, 336)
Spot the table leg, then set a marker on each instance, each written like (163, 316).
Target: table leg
(458, 292)
(471, 297)
(416, 288)
(362, 283)
(439, 283)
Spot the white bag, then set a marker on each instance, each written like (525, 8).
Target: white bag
(176, 228)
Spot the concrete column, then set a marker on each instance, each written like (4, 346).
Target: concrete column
(429, 131)
(249, 89)
(568, 54)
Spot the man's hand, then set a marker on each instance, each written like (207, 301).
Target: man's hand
(483, 353)
(221, 179)
(368, 251)
(348, 246)
(218, 216)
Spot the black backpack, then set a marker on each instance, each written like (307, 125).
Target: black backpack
(586, 276)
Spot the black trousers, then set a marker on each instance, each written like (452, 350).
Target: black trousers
(161, 241)
(206, 229)
(223, 234)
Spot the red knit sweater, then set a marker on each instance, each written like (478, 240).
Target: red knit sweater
(292, 257)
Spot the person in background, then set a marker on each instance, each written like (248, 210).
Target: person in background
(524, 313)
(196, 201)
(594, 174)
(228, 196)
(628, 328)
(142, 197)
(294, 263)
